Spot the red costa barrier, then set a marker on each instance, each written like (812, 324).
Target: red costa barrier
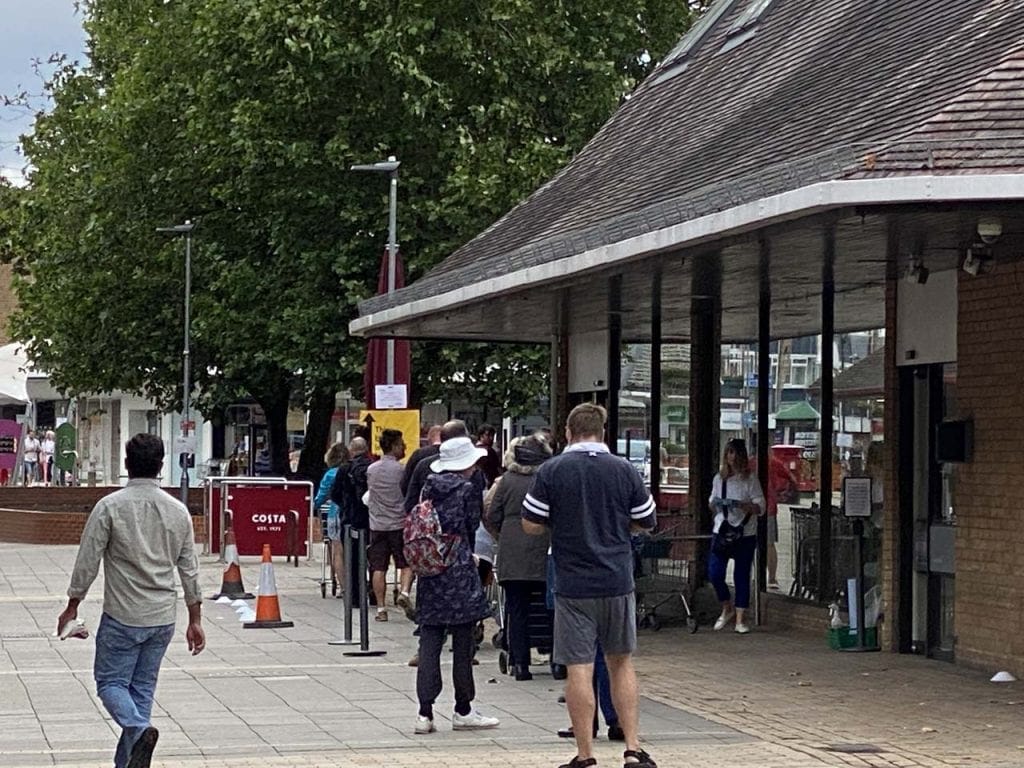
(262, 511)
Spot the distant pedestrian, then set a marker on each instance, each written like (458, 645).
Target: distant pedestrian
(430, 449)
(30, 457)
(387, 517)
(422, 470)
(591, 501)
(737, 501)
(452, 600)
(337, 456)
(47, 446)
(522, 562)
(491, 462)
(141, 534)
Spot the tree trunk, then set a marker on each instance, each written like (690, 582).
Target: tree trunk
(275, 406)
(318, 436)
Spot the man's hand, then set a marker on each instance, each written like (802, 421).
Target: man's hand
(196, 638)
(69, 614)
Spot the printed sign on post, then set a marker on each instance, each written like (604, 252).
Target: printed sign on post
(391, 396)
(857, 496)
(405, 421)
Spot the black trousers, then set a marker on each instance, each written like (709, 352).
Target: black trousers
(428, 673)
(517, 619)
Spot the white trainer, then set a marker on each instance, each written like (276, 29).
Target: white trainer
(724, 619)
(742, 628)
(473, 721)
(424, 725)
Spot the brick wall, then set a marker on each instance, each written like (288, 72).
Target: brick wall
(988, 497)
(58, 515)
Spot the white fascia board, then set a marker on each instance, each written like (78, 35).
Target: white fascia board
(794, 204)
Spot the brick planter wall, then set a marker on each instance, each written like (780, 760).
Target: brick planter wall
(58, 515)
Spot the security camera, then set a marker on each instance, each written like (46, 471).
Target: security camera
(989, 229)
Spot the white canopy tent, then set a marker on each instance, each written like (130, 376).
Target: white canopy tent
(14, 367)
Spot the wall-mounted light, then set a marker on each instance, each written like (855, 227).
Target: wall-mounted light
(916, 271)
(989, 229)
(977, 259)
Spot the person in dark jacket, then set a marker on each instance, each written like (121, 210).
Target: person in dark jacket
(522, 560)
(453, 599)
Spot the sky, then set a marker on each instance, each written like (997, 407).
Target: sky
(30, 29)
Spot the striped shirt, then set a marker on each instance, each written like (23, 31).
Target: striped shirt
(590, 498)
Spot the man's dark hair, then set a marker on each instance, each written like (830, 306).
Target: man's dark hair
(389, 438)
(144, 455)
(454, 428)
(486, 429)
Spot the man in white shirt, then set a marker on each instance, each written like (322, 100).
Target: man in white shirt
(142, 535)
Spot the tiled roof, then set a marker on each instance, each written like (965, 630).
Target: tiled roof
(819, 84)
(980, 131)
(865, 378)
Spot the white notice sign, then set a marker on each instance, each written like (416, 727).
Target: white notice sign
(184, 444)
(391, 396)
(857, 497)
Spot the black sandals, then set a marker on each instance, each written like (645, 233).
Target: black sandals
(643, 760)
(577, 762)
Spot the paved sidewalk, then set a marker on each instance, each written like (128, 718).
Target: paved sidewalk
(287, 698)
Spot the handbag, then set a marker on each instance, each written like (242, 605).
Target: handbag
(728, 536)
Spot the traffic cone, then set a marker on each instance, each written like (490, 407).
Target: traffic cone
(231, 583)
(268, 610)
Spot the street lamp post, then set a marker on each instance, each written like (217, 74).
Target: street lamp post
(390, 167)
(176, 231)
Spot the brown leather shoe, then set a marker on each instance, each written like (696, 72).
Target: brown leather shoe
(415, 660)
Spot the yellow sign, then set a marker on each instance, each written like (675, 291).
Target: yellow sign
(406, 422)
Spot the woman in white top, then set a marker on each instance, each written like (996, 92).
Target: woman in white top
(46, 449)
(736, 497)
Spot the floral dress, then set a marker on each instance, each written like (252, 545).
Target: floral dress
(455, 596)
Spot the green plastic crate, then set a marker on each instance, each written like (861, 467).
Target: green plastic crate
(844, 637)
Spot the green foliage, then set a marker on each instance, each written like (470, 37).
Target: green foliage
(246, 114)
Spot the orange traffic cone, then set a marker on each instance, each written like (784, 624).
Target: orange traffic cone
(231, 583)
(268, 610)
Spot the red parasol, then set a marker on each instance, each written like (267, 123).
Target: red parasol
(377, 348)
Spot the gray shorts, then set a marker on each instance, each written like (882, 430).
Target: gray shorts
(582, 623)
(773, 528)
(334, 528)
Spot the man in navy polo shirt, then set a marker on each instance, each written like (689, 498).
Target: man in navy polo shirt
(591, 501)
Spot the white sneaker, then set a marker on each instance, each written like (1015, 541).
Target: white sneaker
(424, 725)
(741, 628)
(473, 721)
(724, 619)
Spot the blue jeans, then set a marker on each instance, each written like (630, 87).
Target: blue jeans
(126, 668)
(743, 559)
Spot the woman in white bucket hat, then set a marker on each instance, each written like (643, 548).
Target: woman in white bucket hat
(454, 599)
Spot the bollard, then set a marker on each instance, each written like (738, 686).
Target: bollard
(347, 586)
(364, 605)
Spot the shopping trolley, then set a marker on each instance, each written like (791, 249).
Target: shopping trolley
(665, 572)
(325, 563)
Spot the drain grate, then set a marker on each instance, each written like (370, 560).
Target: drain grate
(854, 749)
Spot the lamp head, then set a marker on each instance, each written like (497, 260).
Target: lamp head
(385, 166)
(990, 228)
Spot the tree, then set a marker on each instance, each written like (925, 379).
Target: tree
(246, 114)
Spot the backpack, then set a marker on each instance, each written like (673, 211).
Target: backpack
(349, 486)
(428, 550)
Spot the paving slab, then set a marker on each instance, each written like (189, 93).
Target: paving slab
(286, 698)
